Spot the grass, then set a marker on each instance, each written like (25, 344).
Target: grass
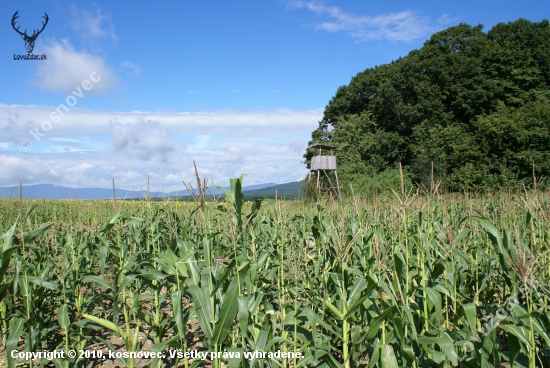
(385, 281)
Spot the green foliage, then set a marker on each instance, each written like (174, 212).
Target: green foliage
(371, 182)
(475, 104)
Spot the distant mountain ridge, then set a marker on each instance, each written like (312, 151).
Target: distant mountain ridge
(51, 191)
(281, 191)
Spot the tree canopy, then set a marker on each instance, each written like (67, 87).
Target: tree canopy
(475, 104)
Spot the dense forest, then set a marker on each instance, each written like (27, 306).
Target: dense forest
(474, 105)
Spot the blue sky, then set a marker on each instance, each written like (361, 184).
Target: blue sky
(236, 86)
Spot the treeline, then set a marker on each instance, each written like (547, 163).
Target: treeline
(475, 104)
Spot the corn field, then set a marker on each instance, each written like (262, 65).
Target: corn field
(409, 280)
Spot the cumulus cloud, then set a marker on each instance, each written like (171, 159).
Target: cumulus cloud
(91, 25)
(143, 140)
(446, 19)
(261, 162)
(400, 26)
(233, 155)
(87, 148)
(69, 170)
(133, 67)
(297, 145)
(19, 119)
(129, 176)
(67, 68)
(16, 169)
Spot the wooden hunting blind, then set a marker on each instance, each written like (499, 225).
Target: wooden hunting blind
(323, 163)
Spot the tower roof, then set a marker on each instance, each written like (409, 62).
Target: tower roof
(322, 146)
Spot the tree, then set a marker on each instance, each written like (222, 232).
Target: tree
(438, 104)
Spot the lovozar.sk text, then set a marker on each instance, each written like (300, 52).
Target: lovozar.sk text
(30, 57)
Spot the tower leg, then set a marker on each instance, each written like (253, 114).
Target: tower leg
(318, 175)
(337, 185)
(331, 185)
(318, 187)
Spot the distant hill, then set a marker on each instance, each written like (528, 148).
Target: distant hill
(50, 191)
(283, 191)
(287, 191)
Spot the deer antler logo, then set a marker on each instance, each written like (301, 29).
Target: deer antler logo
(29, 40)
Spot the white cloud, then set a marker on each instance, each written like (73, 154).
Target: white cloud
(17, 120)
(400, 26)
(134, 68)
(92, 25)
(261, 163)
(16, 169)
(298, 145)
(144, 140)
(67, 68)
(446, 19)
(233, 155)
(87, 148)
(129, 176)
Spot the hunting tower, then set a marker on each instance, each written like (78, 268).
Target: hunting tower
(322, 163)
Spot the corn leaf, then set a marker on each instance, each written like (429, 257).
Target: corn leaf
(227, 314)
(15, 332)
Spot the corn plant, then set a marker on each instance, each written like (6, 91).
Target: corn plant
(399, 281)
